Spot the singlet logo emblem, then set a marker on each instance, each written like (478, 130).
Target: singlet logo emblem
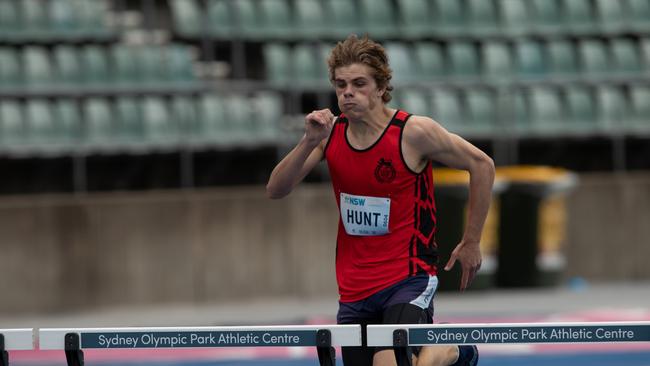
(385, 172)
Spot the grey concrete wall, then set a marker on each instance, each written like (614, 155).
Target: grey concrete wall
(76, 252)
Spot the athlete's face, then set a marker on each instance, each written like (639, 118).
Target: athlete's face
(356, 89)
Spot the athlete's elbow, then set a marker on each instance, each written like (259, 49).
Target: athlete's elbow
(274, 192)
(487, 167)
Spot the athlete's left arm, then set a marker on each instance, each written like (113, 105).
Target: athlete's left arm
(428, 139)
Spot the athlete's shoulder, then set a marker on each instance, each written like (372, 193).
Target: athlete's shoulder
(419, 127)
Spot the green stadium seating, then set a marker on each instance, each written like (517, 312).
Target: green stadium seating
(415, 18)
(124, 61)
(305, 66)
(400, 58)
(34, 18)
(213, 119)
(266, 115)
(221, 20)
(41, 124)
(464, 61)
(98, 122)
(277, 20)
(483, 15)
(581, 109)
(516, 15)
(378, 17)
(640, 103)
(309, 19)
(611, 14)
(178, 63)
(343, 18)
(67, 114)
(578, 15)
(593, 54)
(518, 113)
(645, 52)
(187, 17)
(497, 60)
(547, 110)
(530, 58)
(240, 126)
(546, 14)
(10, 70)
(91, 15)
(447, 110)
(37, 66)
(68, 65)
(415, 101)
(63, 20)
(95, 65)
(482, 111)
(13, 131)
(640, 14)
(185, 114)
(159, 128)
(9, 21)
(613, 106)
(562, 57)
(128, 120)
(625, 54)
(324, 51)
(450, 16)
(277, 59)
(430, 61)
(150, 63)
(249, 21)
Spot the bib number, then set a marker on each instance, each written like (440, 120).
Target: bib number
(363, 215)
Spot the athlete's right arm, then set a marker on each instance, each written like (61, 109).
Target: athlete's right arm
(304, 157)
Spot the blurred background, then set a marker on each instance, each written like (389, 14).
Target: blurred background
(136, 137)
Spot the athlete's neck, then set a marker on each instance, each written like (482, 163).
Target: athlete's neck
(366, 128)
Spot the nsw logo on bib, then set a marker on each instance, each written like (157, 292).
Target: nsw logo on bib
(363, 215)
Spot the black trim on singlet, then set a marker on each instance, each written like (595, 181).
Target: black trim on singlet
(345, 135)
(402, 124)
(340, 119)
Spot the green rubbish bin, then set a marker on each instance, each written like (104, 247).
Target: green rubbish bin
(532, 225)
(451, 195)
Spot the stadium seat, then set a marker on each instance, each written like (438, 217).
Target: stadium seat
(305, 66)
(415, 18)
(640, 101)
(69, 121)
(94, 65)
(578, 15)
(13, 131)
(447, 110)
(249, 21)
(68, 65)
(276, 15)
(378, 18)
(625, 54)
(497, 60)
(213, 119)
(41, 123)
(430, 61)
(240, 128)
(516, 15)
(547, 110)
(483, 15)
(547, 14)
(342, 17)
(98, 122)
(92, 18)
(178, 63)
(277, 60)
(562, 57)
(159, 128)
(324, 51)
(482, 111)
(187, 17)
(611, 14)
(415, 101)
(267, 112)
(593, 54)
(10, 72)
(518, 115)
(63, 19)
(640, 13)
(581, 108)
(450, 16)
(309, 19)
(185, 115)
(530, 58)
(9, 20)
(401, 62)
(150, 64)
(464, 61)
(37, 66)
(128, 120)
(613, 106)
(34, 18)
(645, 52)
(124, 63)
(221, 20)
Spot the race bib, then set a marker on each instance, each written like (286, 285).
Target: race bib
(362, 215)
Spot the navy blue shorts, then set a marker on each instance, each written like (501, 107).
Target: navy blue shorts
(407, 302)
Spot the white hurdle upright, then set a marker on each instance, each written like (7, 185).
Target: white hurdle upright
(401, 336)
(14, 340)
(74, 340)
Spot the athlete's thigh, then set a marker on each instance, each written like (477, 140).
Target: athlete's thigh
(360, 356)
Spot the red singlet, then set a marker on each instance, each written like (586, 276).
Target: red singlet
(387, 212)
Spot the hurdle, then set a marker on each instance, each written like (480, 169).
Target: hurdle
(402, 336)
(14, 340)
(74, 340)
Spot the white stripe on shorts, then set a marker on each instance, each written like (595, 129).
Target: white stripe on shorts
(426, 296)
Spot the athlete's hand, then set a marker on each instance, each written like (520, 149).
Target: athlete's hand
(469, 256)
(318, 125)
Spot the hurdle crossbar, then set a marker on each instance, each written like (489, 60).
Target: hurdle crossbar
(324, 338)
(14, 340)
